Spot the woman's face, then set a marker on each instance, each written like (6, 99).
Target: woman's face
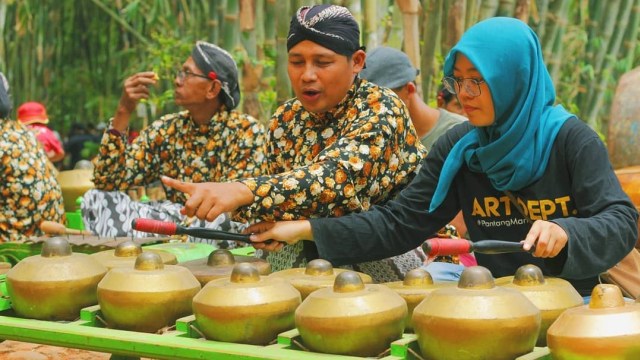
(479, 109)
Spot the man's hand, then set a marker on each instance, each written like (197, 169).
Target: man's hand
(207, 201)
(289, 232)
(548, 237)
(135, 88)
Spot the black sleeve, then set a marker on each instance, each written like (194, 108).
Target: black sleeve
(605, 228)
(399, 225)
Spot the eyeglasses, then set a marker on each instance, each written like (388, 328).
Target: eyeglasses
(470, 85)
(181, 74)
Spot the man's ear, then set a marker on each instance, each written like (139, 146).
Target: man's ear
(358, 59)
(214, 89)
(411, 87)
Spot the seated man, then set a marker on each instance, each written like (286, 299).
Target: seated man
(209, 141)
(392, 68)
(29, 192)
(341, 145)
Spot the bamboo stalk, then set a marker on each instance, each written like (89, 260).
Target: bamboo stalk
(247, 26)
(603, 40)
(214, 23)
(472, 13)
(409, 9)
(553, 27)
(122, 22)
(606, 74)
(231, 31)
(431, 30)
(631, 37)
(247, 15)
(283, 17)
(596, 16)
(553, 48)
(259, 28)
(222, 9)
(370, 33)
(455, 23)
(542, 7)
(388, 24)
(554, 61)
(522, 10)
(488, 9)
(270, 27)
(506, 7)
(3, 20)
(607, 31)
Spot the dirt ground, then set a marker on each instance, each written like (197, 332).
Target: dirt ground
(16, 350)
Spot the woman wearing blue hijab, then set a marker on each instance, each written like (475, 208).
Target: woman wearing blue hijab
(517, 148)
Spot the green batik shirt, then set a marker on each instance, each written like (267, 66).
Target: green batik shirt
(359, 154)
(230, 147)
(29, 190)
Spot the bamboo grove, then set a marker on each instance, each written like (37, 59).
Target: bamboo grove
(73, 55)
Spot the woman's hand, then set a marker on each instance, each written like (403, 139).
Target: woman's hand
(283, 232)
(548, 237)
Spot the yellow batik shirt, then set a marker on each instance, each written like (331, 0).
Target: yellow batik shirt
(29, 190)
(359, 154)
(356, 155)
(230, 147)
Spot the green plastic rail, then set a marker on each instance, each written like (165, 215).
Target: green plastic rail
(182, 343)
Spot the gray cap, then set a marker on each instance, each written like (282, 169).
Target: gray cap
(389, 67)
(217, 63)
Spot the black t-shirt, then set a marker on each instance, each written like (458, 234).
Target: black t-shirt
(579, 191)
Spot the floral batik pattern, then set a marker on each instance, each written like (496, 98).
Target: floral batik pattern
(29, 190)
(357, 155)
(230, 147)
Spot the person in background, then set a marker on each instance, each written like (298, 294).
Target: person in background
(34, 116)
(522, 170)
(448, 101)
(393, 69)
(208, 141)
(341, 145)
(29, 192)
(79, 136)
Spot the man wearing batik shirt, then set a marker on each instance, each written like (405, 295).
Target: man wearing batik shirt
(29, 192)
(208, 142)
(342, 145)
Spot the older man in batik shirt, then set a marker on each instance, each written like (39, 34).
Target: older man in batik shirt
(29, 192)
(342, 145)
(208, 142)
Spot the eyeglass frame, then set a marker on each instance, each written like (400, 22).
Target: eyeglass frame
(183, 74)
(461, 82)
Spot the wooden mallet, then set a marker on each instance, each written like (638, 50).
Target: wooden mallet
(54, 228)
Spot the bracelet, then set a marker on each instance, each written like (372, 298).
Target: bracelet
(115, 132)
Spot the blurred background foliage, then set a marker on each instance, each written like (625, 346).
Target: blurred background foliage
(73, 55)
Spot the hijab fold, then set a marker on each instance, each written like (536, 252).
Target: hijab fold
(513, 151)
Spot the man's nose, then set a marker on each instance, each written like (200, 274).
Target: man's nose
(309, 73)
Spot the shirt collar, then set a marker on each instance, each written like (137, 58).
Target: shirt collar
(339, 110)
